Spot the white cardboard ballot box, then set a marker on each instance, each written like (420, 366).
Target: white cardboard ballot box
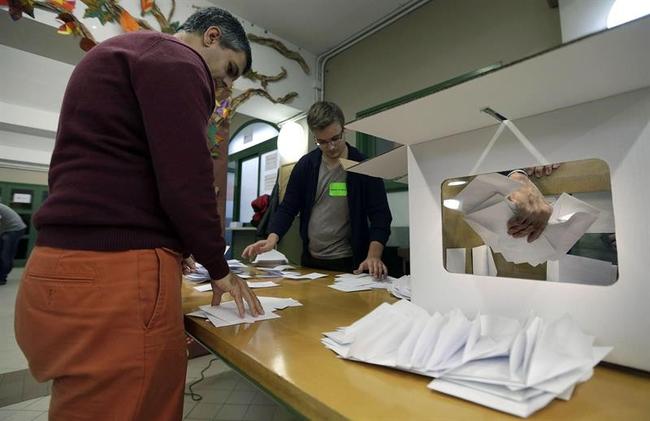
(586, 99)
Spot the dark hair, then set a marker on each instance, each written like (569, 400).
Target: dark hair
(233, 35)
(324, 113)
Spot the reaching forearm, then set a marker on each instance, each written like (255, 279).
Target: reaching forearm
(375, 249)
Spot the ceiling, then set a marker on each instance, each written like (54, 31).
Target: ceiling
(315, 25)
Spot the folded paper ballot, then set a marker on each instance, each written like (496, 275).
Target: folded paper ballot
(486, 208)
(581, 270)
(492, 360)
(401, 287)
(310, 276)
(270, 258)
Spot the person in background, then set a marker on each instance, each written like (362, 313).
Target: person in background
(12, 228)
(344, 217)
(131, 191)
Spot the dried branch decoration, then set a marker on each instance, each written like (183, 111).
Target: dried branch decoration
(244, 96)
(280, 48)
(265, 79)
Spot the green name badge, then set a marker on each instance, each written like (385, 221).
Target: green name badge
(338, 189)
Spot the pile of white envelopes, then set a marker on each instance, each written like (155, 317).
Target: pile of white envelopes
(495, 361)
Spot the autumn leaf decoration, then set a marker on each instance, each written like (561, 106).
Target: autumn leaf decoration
(69, 26)
(146, 6)
(128, 23)
(68, 5)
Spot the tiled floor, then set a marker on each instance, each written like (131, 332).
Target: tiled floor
(18, 386)
(11, 359)
(225, 394)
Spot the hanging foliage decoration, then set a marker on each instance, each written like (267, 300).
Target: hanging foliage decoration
(109, 11)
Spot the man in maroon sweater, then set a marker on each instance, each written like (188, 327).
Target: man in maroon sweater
(131, 190)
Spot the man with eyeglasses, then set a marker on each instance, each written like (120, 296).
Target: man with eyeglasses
(344, 217)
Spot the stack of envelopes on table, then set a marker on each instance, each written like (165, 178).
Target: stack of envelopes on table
(495, 361)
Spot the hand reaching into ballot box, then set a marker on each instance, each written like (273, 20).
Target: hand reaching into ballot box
(532, 212)
(240, 292)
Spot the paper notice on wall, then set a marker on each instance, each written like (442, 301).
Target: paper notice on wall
(268, 171)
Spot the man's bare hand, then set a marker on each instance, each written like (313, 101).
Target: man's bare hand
(240, 292)
(261, 246)
(541, 170)
(531, 210)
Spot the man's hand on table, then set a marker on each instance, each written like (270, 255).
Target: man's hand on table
(374, 266)
(240, 292)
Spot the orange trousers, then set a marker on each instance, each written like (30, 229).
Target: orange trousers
(107, 328)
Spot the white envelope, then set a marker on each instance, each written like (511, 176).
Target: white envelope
(519, 408)
(483, 261)
(560, 348)
(581, 270)
(451, 339)
(426, 343)
(490, 336)
(379, 345)
(455, 260)
(407, 347)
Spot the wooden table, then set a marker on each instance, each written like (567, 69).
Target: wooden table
(285, 357)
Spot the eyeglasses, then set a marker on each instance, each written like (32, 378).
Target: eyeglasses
(334, 140)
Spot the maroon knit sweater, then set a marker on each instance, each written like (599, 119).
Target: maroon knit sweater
(131, 168)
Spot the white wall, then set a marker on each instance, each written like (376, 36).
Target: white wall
(25, 148)
(438, 41)
(583, 17)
